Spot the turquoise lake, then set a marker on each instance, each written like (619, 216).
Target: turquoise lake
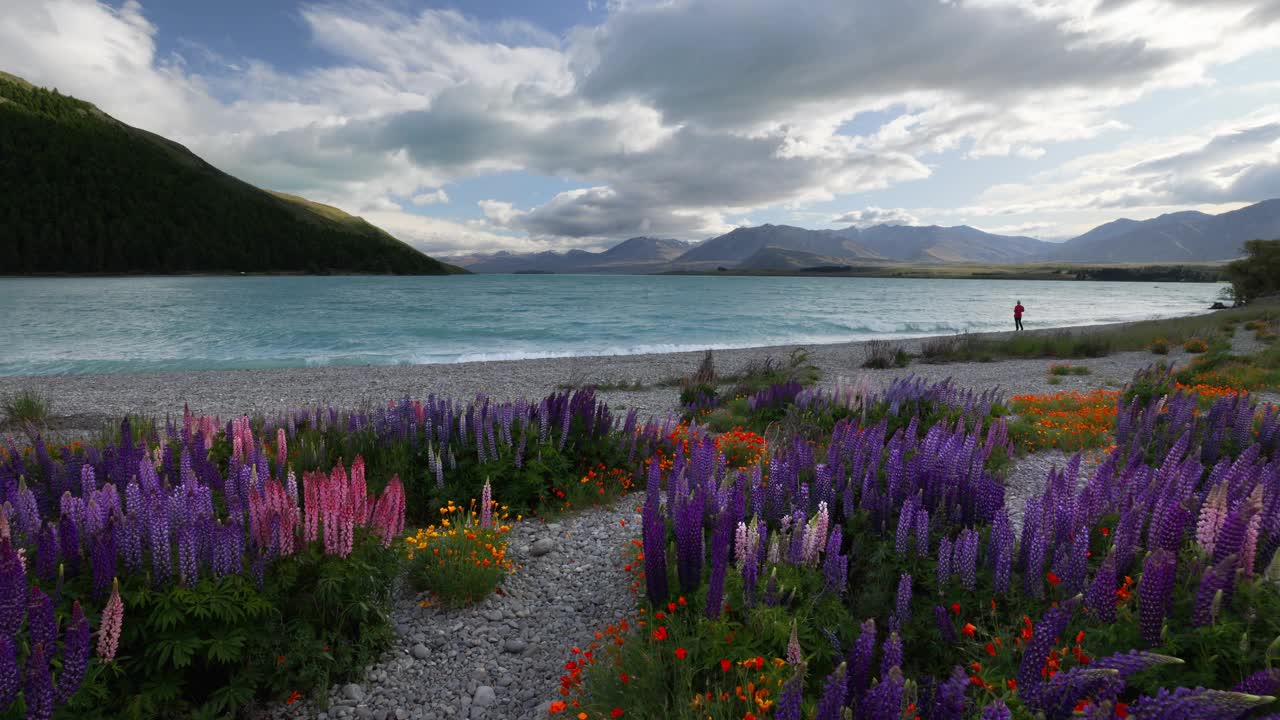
(98, 325)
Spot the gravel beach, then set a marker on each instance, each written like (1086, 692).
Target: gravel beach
(86, 402)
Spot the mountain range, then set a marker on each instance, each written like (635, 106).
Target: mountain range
(1182, 237)
(82, 192)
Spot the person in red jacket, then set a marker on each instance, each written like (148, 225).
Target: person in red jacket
(1017, 315)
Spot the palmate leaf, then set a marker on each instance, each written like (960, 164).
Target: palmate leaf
(226, 646)
(176, 652)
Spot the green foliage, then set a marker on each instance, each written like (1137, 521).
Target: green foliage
(26, 407)
(1057, 344)
(1055, 369)
(881, 355)
(458, 565)
(1160, 346)
(1258, 274)
(1150, 383)
(763, 373)
(1195, 345)
(83, 193)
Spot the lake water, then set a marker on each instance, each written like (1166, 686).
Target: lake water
(96, 325)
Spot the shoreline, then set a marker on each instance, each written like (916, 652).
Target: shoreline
(86, 401)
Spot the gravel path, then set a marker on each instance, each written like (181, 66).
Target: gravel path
(503, 658)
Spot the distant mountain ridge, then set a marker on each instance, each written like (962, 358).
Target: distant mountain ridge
(1175, 237)
(1181, 237)
(82, 192)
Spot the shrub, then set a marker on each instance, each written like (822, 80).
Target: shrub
(1055, 380)
(462, 560)
(881, 355)
(1055, 369)
(26, 407)
(1195, 345)
(1160, 346)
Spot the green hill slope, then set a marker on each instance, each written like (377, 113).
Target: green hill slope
(81, 192)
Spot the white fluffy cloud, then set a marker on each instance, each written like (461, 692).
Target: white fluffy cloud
(670, 117)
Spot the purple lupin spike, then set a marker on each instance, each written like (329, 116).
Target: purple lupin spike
(10, 676)
(833, 695)
(1155, 589)
(13, 590)
(790, 700)
(40, 621)
(75, 655)
(720, 543)
(654, 539)
(891, 654)
(38, 693)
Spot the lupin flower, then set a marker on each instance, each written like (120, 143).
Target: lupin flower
(1212, 514)
(111, 623)
(790, 700)
(860, 660)
(1100, 597)
(997, 710)
(891, 654)
(38, 693)
(833, 695)
(943, 567)
(795, 657)
(654, 539)
(885, 699)
(1194, 704)
(1043, 637)
(486, 505)
(1155, 589)
(13, 590)
(10, 675)
(945, 627)
(40, 621)
(835, 566)
(75, 655)
(719, 565)
(902, 605)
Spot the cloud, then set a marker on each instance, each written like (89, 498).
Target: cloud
(876, 216)
(431, 198)
(671, 117)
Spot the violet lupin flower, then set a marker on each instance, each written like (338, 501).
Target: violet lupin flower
(719, 565)
(791, 698)
(885, 699)
(922, 532)
(654, 539)
(689, 552)
(945, 627)
(104, 560)
(1155, 588)
(1194, 704)
(859, 662)
(833, 695)
(944, 562)
(38, 693)
(10, 676)
(1263, 682)
(965, 559)
(835, 567)
(1100, 597)
(75, 655)
(110, 625)
(891, 654)
(13, 590)
(1215, 586)
(1051, 626)
(997, 710)
(40, 621)
(902, 604)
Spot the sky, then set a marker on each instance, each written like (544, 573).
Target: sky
(484, 125)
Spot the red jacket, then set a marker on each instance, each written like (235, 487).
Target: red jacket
(1017, 311)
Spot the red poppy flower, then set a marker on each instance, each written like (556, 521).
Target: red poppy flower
(725, 665)
(1053, 579)
(617, 713)
(681, 653)
(968, 629)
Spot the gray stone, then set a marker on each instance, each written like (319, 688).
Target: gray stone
(541, 547)
(364, 713)
(352, 691)
(493, 615)
(514, 645)
(421, 652)
(485, 696)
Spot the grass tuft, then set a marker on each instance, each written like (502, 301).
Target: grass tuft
(882, 354)
(27, 407)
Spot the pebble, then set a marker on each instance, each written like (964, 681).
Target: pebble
(504, 658)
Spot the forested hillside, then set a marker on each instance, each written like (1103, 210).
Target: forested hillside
(81, 192)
